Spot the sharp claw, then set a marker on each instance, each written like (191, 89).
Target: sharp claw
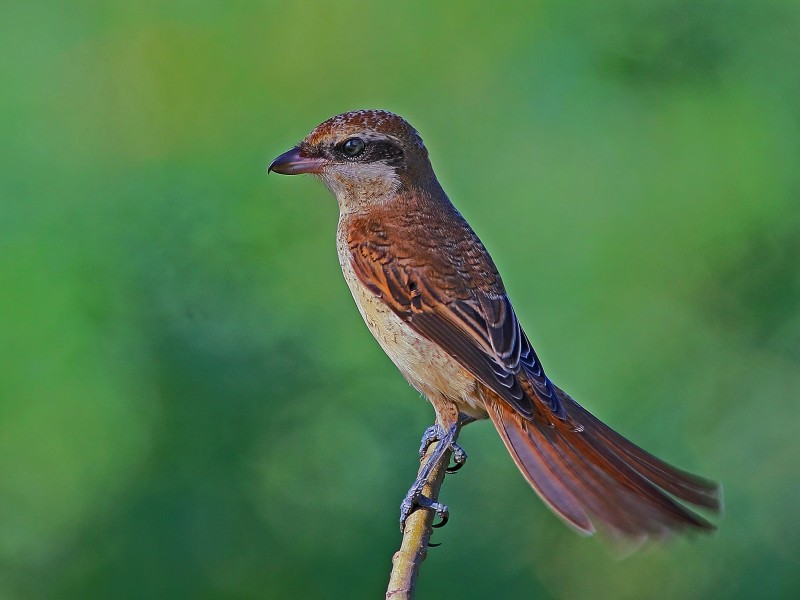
(413, 501)
(454, 468)
(444, 514)
(459, 459)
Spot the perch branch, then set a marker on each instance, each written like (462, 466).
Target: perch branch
(407, 560)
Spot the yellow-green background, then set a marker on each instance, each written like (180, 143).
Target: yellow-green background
(190, 405)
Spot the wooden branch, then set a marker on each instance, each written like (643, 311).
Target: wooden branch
(407, 561)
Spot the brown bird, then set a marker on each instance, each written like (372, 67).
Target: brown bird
(432, 297)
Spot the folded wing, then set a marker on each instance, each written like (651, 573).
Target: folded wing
(586, 472)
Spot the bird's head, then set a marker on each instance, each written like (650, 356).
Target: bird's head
(362, 156)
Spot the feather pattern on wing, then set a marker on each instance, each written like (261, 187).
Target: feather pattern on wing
(460, 304)
(437, 277)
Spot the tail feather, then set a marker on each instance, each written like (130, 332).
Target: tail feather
(656, 509)
(622, 509)
(584, 483)
(540, 472)
(686, 486)
(593, 476)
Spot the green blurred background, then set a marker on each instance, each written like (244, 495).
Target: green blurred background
(190, 405)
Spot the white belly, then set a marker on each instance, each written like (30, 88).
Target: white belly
(424, 364)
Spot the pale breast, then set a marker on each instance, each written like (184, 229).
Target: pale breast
(424, 364)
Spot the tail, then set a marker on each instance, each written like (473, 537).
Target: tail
(590, 476)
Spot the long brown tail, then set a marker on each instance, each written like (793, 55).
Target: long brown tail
(594, 476)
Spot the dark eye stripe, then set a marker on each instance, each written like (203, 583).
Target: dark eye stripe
(384, 150)
(367, 151)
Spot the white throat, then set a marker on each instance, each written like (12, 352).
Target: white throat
(358, 185)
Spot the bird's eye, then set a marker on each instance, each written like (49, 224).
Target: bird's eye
(353, 147)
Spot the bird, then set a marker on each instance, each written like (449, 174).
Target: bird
(432, 297)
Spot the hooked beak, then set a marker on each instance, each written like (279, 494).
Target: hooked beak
(295, 162)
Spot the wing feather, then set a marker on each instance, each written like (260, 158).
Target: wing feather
(477, 328)
(586, 472)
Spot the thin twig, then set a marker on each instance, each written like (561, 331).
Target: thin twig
(407, 560)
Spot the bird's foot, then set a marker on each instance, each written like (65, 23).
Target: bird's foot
(437, 433)
(415, 498)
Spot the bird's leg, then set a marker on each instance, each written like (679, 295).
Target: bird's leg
(446, 438)
(436, 433)
(415, 498)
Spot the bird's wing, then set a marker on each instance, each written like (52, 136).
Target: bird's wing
(477, 327)
(586, 472)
